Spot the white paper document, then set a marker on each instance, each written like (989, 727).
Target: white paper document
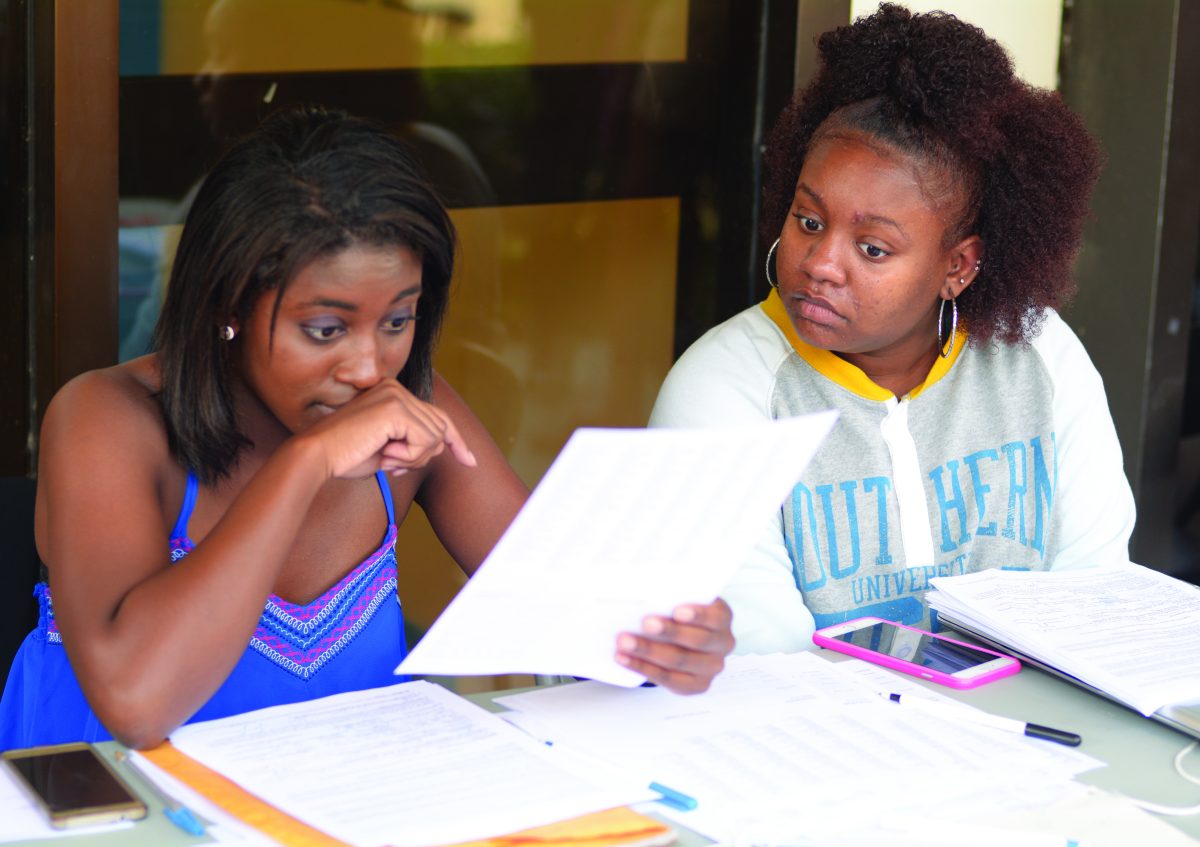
(792, 748)
(625, 523)
(409, 764)
(1128, 630)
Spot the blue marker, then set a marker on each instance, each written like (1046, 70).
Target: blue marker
(674, 799)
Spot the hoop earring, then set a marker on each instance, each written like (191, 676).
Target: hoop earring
(774, 283)
(945, 354)
(227, 333)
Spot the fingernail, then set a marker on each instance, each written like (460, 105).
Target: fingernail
(653, 626)
(622, 659)
(626, 642)
(473, 461)
(685, 614)
(399, 471)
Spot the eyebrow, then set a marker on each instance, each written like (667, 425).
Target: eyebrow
(868, 217)
(331, 303)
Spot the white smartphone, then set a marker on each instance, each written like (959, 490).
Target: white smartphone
(73, 785)
(914, 651)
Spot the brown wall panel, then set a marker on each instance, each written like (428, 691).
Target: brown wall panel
(84, 309)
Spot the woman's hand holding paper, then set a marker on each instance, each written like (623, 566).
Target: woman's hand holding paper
(682, 652)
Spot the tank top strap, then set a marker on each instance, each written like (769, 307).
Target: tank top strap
(179, 531)
(386, 490)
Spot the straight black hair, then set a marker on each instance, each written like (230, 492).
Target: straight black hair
(307, 183)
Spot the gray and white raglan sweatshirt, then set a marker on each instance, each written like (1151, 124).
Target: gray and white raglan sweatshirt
(1005, 456)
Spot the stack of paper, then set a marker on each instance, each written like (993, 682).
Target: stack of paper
(410, 764)
(794, 749)
(782, 749)
(236, 817)
(1129, 631)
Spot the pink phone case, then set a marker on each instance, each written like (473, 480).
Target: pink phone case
(822, 637)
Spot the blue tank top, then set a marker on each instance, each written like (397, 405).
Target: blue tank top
(349, 638)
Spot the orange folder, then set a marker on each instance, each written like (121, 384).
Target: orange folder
(620, 827)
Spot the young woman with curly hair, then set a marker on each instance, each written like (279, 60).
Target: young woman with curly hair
(923, 207)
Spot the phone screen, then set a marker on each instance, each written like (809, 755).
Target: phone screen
(71, 779)
(917, 647)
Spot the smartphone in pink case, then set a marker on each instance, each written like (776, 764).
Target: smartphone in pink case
(913, 651)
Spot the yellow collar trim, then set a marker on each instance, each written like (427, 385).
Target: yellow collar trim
(849, 376)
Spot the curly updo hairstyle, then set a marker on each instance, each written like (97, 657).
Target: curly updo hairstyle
(1019, 162)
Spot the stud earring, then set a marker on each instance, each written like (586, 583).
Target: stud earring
(774, 283)
(227, 333)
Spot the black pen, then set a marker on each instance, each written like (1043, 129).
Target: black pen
(963, 713)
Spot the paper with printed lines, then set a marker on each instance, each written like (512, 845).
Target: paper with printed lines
(625, 523)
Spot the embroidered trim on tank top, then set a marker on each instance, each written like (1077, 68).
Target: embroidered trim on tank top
(301, 639)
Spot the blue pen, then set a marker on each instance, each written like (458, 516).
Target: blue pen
(176, 812)
(674, 799)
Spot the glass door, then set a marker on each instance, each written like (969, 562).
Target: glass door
(598, 157)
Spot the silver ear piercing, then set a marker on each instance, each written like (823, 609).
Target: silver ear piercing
(953, 326)
(774, 283)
